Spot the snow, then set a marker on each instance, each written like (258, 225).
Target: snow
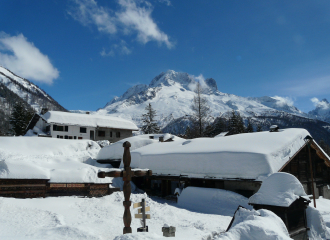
(50, 158)
(116, 150)
(318, 228)
(99, 218)
(251, 225)
(211, 201)
(261, 154)
(88, 120)
(279, 189)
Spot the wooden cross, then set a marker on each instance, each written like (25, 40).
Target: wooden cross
(127, 175)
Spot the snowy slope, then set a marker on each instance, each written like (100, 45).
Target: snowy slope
(29, 92)
(171, 94)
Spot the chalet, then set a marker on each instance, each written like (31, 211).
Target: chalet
(67, 125)
(237, 163)
(283, 194)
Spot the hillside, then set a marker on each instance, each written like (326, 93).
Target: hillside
(15, 89)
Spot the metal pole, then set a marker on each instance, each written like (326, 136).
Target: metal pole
(311, 168)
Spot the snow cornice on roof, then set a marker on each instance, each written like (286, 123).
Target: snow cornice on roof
(86, 120)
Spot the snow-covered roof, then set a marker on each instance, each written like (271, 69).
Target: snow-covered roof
(246, 156)
(116, 150)
(49, 158)
(279, 189)
(88, 120)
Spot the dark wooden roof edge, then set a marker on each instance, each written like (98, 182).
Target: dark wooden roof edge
(301, 198)
(292, 157)
(32, 122)
(320, 153)
(232, 220)
(204, 178)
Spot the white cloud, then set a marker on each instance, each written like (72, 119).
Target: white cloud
(23, 58)
(120, 49)
(130, 18)
(88, 12)
(321, 104)
(201, 79)
(282, 101)
(167, 2)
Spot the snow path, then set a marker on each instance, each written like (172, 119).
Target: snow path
(99, 218)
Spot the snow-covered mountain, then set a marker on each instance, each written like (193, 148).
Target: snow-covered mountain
(171, 94)
(27, 91)
(321, 111)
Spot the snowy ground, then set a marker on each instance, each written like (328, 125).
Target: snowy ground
(98, 218)
(101, 218)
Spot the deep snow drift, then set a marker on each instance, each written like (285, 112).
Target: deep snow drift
(59, 160)
(251, 225)
(211, 200)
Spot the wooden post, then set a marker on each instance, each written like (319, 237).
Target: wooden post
(127, 188)
(311, 168)
(127, 175)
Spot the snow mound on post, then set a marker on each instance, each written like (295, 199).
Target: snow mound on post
(211, 201)
(261, 224)
(279, 189)
(116, 150)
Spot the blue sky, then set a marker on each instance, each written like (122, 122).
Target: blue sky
(85, 52)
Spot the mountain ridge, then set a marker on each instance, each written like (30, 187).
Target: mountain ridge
(171, 94)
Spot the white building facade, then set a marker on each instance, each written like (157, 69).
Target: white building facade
(65, 125)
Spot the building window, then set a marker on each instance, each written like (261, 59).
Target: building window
(101, 133)
(79, 137)
(110, 134)
(58, 136)
(75, 137)
(61, 136)
(70, 137)
(47, 128)
(83, 130)
(66, 137)
(117, 134)
(59, 128)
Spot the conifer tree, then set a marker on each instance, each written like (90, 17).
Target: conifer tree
(148, 119)
(236, 124)
(19, 119)
(220, 126)
(259, 128)
(187, 133)
(249, 127)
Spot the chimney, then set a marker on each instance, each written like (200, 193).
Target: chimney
(273, 128)
(43, 111)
